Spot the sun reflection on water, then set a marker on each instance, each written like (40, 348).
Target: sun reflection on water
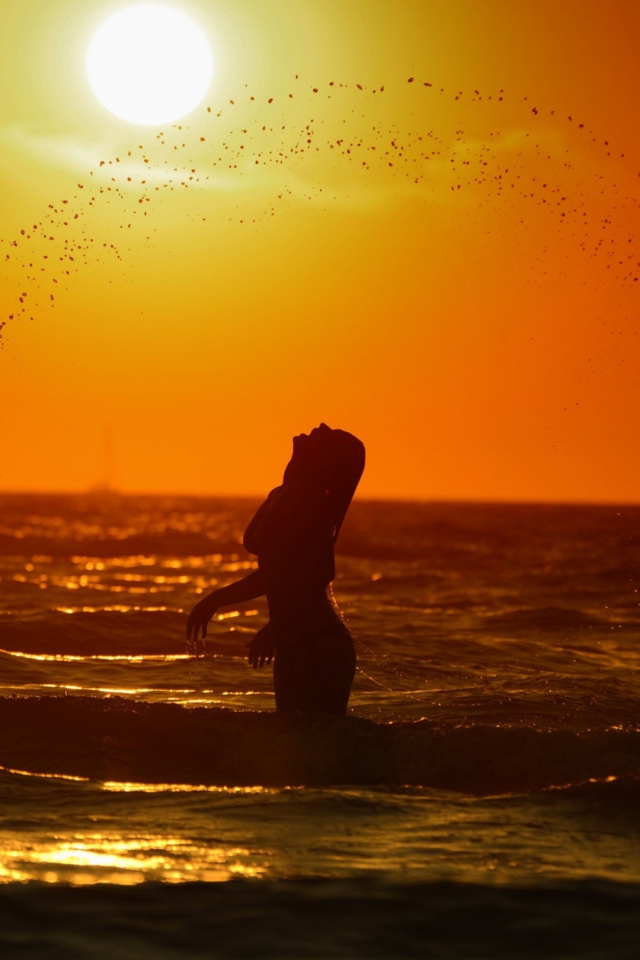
(80, 858)
(115, 786)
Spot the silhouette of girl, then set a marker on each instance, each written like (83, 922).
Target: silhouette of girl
(293, 535)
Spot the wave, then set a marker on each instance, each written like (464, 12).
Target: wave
(115, 739)
(323, 918)
(622, 791)
(550, 619)
(120, 631)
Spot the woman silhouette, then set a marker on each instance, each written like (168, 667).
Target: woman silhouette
(293, 535)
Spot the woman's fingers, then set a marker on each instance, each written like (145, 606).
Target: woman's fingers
(253, 654)
(266, 656)
(195, 624)
(259, 652)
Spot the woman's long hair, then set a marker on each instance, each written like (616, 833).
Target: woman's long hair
(345, 462)
(334, 459)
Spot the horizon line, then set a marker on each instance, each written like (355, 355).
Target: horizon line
(97, 492)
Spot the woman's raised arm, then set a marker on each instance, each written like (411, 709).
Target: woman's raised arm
(249, 588)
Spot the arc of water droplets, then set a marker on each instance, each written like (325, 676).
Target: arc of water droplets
(265, 142)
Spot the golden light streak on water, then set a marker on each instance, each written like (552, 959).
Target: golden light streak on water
(47, 776)
(169, 563)
(236, 613)
(141, 578)
(124, 691)
(82, 859)
(579, 783)
(123, 786)
(106, 563)
(237, 565)
(116, 608)
(88, 858)
(93, 563)
(114, 786)
(240, 693)
(194, 563)
(84, 855)
(79, 658)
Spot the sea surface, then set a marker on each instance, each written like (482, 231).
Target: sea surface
(481, 798)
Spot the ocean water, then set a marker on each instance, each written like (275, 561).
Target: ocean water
(481, 798)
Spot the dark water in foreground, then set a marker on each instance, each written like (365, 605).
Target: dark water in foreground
(489, 770)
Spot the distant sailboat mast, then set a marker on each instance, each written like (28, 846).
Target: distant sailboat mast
(105, 484)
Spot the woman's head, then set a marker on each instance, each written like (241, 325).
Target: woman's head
(333, 458)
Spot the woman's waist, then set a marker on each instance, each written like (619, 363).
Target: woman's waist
(305, 617)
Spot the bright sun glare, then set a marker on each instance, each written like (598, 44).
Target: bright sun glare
(149, 64)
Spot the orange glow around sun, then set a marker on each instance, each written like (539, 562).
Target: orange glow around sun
(414, 221)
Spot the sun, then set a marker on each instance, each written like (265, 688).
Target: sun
(149, 64)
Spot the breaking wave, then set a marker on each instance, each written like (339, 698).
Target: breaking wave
(114, 739)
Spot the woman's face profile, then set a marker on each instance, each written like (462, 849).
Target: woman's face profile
(311, 450)
(302, 439)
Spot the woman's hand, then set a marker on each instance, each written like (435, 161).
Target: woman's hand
(199, 618)
(262, 647)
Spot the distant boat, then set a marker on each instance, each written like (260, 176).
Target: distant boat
(105, 488)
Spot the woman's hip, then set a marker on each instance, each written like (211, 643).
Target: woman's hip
(315, 673)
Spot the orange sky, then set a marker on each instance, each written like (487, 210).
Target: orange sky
(483, 345)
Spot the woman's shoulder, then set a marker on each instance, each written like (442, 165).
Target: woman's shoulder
(251, 538)
(290, 511)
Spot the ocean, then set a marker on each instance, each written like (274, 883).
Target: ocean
(479, 800)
